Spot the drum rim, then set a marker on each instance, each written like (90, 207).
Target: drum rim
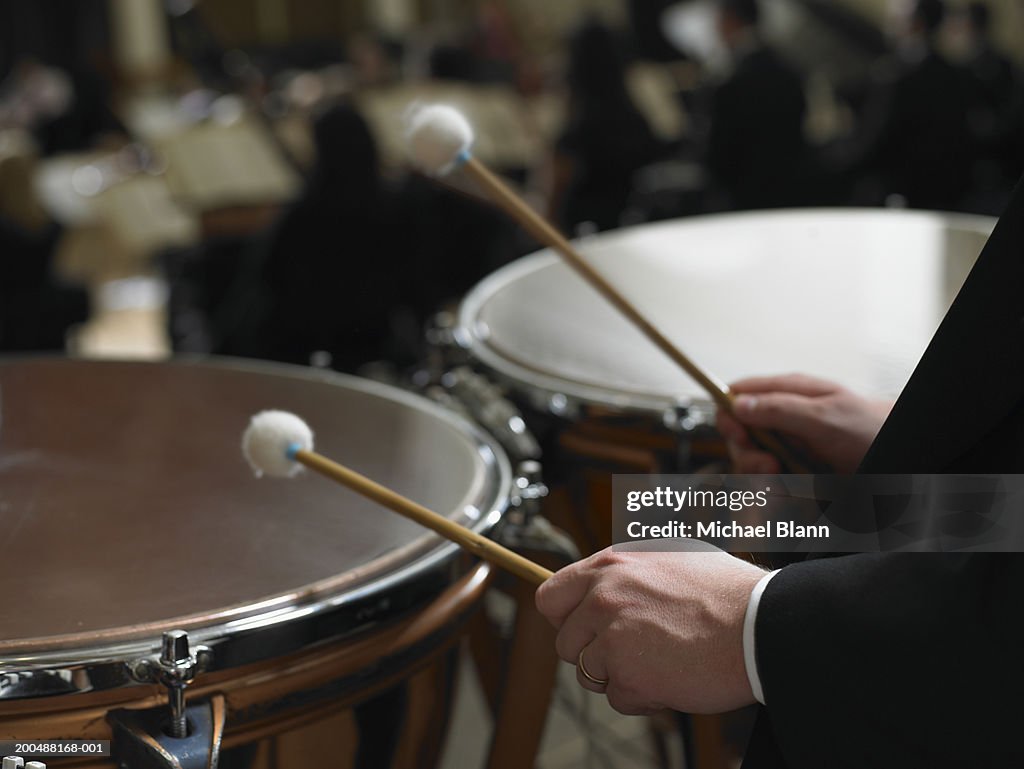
(563, 396)
(102, 666)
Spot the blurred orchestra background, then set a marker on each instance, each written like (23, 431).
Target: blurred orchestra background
(228, 176)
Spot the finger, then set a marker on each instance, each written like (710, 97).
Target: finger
(576, 632)
(731, 429)
(799, 384)
(753, 461)
(624, 704)
(625, 700)
(583, 624)
(786, 412)
(562, 593)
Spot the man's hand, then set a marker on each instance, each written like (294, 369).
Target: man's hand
(665, 629)
(830, 424)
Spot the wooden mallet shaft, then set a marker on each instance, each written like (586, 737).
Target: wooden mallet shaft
(479, 545)
(545, 233)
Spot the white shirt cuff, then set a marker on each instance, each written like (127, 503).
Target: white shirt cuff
(749, 627)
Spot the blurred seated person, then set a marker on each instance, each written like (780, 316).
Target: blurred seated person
(64, 111)
(756, 151)
(995, 78)
(454, 241)
(915, 133)
(496, 43)
(36, 310)
(334, 271)
(448, 61)
(359, 263)
(375, 60)
(606, 139)
(194, 42)
(997, 107)
(33, 94)
(645, 18)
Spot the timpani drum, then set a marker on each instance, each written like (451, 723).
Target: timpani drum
(319, 627)
(850, 295)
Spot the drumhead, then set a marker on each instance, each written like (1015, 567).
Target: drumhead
(129, 510)
(851, 295)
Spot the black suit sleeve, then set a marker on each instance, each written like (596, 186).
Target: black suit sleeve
(916, 660)
(912, 660)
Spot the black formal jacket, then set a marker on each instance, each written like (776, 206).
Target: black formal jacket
(915, 660)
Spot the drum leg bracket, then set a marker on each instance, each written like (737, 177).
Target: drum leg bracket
(540, 536)
(140, 739)
(524, 528)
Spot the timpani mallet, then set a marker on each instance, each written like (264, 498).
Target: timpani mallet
(440, 141)
(277, 443)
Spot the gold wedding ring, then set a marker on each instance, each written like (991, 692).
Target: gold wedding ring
(586, 674)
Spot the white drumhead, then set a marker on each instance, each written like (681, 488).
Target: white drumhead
(851, 295)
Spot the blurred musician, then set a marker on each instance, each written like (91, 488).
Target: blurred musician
(606, 139)
(756, 150)
(915, 131)
(997, 109)
(332, 274)
(36, 310)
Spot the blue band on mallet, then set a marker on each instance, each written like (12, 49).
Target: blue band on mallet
(462, 158)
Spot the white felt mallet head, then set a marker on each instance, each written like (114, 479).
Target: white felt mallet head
(279, 443)
(270, 441)
(439, 138)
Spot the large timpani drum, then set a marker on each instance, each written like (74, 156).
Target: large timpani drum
(850, 295)
(129, 513)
